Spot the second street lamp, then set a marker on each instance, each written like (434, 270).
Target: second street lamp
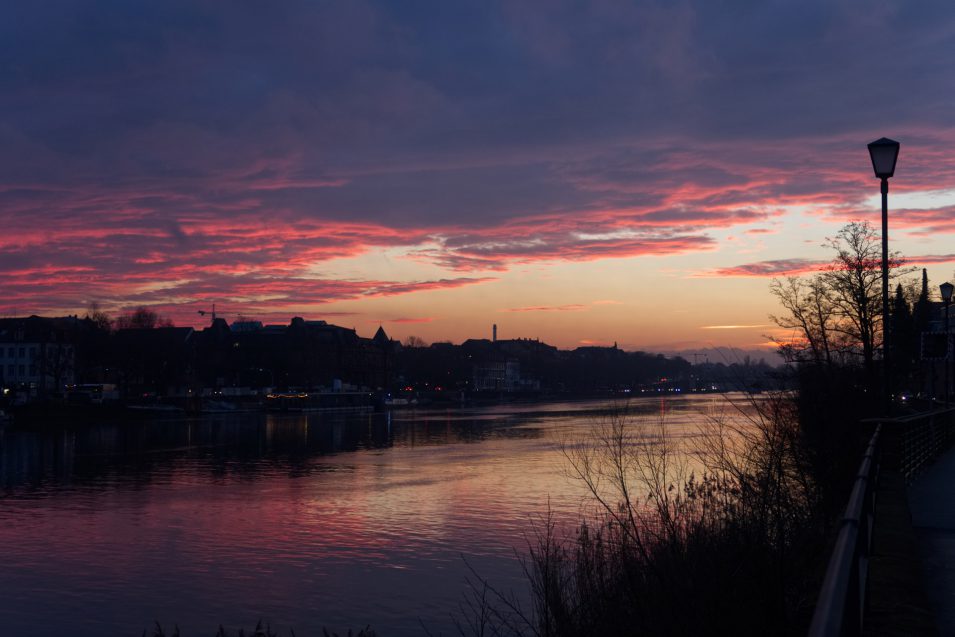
(884, 152)
(946, 289)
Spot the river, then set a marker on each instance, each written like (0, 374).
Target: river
(302, 521)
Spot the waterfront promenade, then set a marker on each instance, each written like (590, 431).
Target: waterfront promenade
(897, 539)
(911, 588)
(932, 503)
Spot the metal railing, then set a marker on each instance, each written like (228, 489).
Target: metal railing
(923, 438)
(914, 442)
(841, 603)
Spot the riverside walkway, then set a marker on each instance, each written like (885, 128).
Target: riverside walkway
(893, 568)
(932, 503)
(898, 600)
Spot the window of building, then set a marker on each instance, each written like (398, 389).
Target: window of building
(32, 352)
(11, 352)
(22, 369)
(32, 370)
(23, 352)
(11, 370)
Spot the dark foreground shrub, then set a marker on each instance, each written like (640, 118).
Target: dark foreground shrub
(695, 533)
(259, 631)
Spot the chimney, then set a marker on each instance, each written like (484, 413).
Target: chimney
(494, 333)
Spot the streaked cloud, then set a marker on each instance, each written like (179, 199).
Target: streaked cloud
(547, 308)
(184, 151)
(927, 259)
(777, 267)
(421, 319)
(794, 267)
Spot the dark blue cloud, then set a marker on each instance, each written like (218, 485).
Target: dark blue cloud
(355, 83)
(153, 119)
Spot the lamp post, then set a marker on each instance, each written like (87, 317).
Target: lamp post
(884, 152)
(946, 289)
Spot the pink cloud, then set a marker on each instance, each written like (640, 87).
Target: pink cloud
(262, 296)
(733, 327)
(925, 259)
(422, 319)
(474, 252)
(793, 267)
(778, 267)
(74, 239)
(548, 308)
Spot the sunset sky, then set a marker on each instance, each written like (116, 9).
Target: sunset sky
(578, 172)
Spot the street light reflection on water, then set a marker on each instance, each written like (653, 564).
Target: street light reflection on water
(304, 521)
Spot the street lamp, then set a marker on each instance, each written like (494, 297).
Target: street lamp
(946, 289)
(884, 152)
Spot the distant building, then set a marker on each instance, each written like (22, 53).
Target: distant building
(158, 360)
(502, 376)
(598, 350)
(305, 354)
(38, 355)
(246, 326)
(937, 312)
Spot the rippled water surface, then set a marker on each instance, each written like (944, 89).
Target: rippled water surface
(302, 521)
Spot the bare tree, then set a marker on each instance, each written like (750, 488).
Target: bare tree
(838, 312)
(809, 310)
(100, 318)
(415, 341)
(142, 318)
(854, 279)
(55, 361)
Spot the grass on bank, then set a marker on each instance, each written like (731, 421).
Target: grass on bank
(258, 631)
(723, 532)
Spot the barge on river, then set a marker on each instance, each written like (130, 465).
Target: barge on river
(320, 401)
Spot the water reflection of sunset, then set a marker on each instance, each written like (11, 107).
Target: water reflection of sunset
(308, 520)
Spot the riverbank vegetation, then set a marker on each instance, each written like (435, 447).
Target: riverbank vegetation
(709, 532)
(727, 531)
(258, 631)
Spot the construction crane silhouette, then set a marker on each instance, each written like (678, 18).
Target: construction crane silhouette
(223, 315)
(213, 312)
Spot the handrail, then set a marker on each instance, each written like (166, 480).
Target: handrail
(842, 596)
(921, 438)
